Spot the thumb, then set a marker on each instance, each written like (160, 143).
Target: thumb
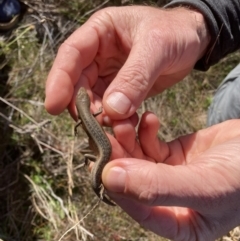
(133, 82)
(161, 184)
(154, 184)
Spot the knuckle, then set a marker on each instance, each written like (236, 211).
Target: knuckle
(135, 78)
(149, 194)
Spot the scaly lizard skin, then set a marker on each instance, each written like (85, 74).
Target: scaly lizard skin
(98, 142)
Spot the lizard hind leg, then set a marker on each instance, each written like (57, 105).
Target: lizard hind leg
(79, 123)
(89, 157)
(104, 198)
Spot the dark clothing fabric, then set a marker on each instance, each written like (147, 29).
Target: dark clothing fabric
(226, 101)
(223, 19)
(8, 9)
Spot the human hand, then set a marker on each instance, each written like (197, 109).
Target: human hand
(187, 189)
(123, 55)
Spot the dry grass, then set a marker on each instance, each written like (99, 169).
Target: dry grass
(44, 190)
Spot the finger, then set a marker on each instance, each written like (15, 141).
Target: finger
(196, 143)
(148, 138)
(75, 54)
(170, 153)
(125, 134)
(134, 80)
(147, 182)
(186, 148)
(88, 74)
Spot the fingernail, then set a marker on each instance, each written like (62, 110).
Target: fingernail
(119, 102)
(115, 179)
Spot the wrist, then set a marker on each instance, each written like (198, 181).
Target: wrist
(202, 31)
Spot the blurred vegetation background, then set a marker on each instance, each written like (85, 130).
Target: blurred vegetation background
(44, 191)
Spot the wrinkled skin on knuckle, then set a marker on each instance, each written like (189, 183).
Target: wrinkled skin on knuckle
(148, 197)
(135, 78)
(102, 22)
(102, 14)
(149, 190)
(138, 80)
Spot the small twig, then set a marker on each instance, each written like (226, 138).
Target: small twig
(20, 35)
(42, 10)
(46, 145)
(26, 115)
(95, 9)
(56, 197)
(70, 167)
(79, 166)
(38, 209)
(91, 210)
(30, 129)
(32, 102)
(35, 187)
(19, 110)
(44, 198)
(214, 44)
(37, 142)
(43, 195)
(69, 26)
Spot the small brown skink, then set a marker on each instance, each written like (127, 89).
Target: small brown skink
(98, 142)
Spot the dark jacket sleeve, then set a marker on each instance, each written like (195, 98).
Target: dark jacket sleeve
(223, 20)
